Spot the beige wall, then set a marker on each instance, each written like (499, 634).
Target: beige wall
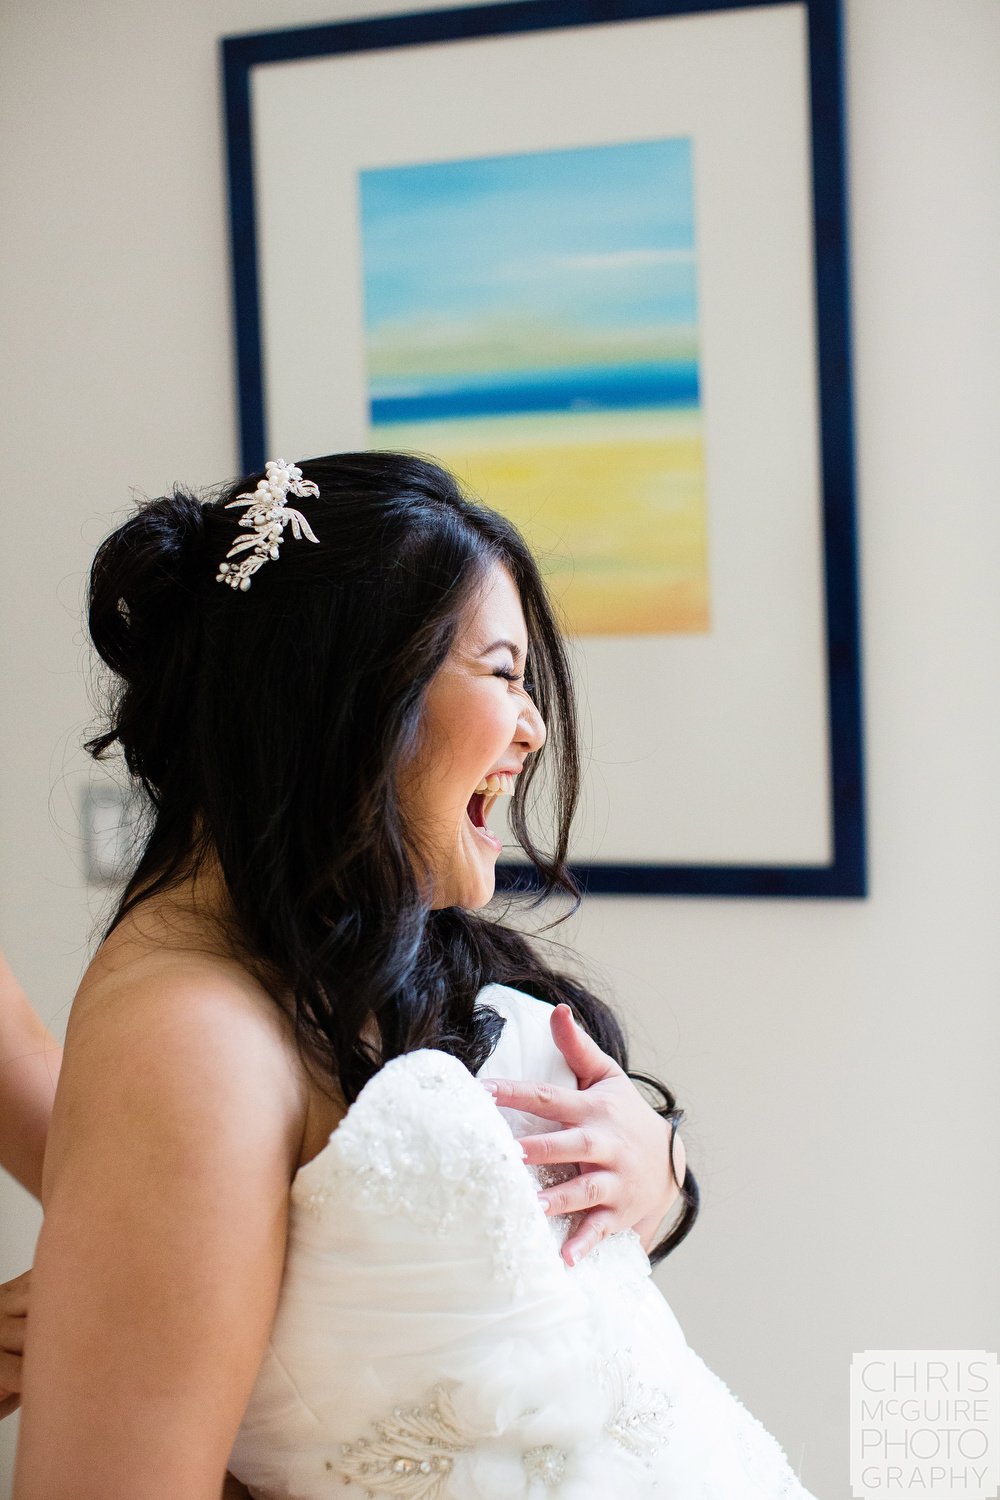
(838, 1061)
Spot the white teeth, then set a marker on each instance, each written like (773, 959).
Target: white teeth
(500, 782)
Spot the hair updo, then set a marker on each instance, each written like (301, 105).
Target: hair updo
(267, 728)
(143, 579)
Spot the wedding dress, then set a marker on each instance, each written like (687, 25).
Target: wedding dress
(431, 1343)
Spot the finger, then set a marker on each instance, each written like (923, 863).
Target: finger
(10, 1372)
(586, 1190)
(544, 1099)
(594, 1228)
(8, 1404)
(580, 1050)
(14, 1294)
(576, 1145)
(12, 1334)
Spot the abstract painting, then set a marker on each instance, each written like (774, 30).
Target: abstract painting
(531, 322)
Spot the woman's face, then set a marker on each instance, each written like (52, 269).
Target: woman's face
(476, 722)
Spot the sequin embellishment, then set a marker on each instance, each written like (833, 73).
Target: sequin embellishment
(545, 1463)
(641, 1420)
(442, 1156)
(414, 1449)
(561, 1226)
(412, 1453)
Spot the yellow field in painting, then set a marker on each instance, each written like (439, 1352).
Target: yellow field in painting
(612, 504)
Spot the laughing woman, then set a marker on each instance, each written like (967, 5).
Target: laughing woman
(286, 1227)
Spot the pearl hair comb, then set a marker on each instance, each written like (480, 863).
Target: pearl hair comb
(268, 515)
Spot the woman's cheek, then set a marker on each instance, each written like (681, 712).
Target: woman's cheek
(503, 722)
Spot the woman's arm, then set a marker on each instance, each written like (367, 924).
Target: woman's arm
(175, 1135)
(626, 1152)
(29, 1067)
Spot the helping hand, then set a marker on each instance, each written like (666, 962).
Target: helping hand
(13, 1318)
(622, 1146)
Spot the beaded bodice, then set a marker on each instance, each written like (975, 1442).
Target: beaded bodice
(430, 1342)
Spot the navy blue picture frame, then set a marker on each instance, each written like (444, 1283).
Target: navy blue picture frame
(846, 874)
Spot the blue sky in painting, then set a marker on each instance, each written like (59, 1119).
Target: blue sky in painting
(595, 239)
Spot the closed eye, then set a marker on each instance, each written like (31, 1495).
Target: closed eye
(509, 675)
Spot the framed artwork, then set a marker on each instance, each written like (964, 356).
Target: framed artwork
(591, 255)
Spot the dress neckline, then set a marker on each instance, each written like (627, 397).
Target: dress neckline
(394, 1062)
(305, 1168)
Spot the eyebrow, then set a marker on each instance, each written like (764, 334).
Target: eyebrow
(512, 647)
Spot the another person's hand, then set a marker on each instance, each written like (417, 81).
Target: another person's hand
(13, 1318)
(621, 1145)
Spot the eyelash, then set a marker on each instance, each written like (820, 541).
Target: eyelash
(510, 675)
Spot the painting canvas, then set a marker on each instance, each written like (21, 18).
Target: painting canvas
(531, 320)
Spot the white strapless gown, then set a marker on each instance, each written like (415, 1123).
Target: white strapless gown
(431, 1343)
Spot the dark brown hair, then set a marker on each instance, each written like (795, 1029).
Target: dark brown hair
(268, 728)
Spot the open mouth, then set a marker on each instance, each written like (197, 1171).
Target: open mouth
(478, 806)
(477, 809)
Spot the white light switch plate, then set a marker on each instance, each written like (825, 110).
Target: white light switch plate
(107, 833)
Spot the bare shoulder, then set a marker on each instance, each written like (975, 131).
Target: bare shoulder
(139, 971)
(179, 1037)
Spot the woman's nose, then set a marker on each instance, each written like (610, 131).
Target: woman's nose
(531, 727)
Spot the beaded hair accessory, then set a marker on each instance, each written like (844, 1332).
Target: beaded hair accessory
(268, 515)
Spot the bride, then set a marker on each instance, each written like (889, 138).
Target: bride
(287, 1230)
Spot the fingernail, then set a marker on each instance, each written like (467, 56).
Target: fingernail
(491, 1087)
(571, 1257)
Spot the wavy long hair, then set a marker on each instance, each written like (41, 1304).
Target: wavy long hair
(267, 729)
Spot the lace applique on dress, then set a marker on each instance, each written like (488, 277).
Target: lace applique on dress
(641, 1420)
(414, 1449)
(425, 1140)
(621, 1257)
(412, 1453)
(546, 1462)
